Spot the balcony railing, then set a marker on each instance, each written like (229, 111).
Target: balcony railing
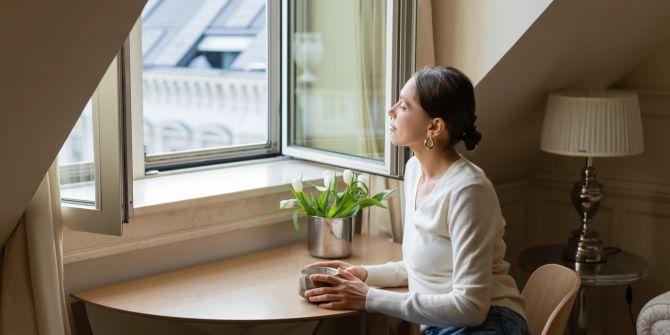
(194, 110)
(229, 94)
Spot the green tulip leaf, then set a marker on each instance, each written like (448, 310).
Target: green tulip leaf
(296, 225)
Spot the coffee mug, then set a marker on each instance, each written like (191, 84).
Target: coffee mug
(306, 284)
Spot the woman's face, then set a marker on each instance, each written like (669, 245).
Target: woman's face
(409, 122)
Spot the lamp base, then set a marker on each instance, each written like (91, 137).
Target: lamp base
(584, 247)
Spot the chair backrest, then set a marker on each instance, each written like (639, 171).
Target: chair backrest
(550, 293)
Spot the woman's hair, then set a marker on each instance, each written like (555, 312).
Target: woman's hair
(447, 93)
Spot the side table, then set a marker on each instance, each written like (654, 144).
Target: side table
(620, 268)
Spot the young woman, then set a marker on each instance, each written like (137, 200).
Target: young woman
(453, 244)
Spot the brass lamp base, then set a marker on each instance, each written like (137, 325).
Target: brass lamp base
(585, 245)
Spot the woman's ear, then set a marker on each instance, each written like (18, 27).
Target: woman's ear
(437, 127)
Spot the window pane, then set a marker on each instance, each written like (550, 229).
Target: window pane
(75, 162)
(204, 75)
(338, 76)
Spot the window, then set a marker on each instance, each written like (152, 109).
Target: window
(91, 163)
(205, 80)
(343, 71)
(211, 81)
(216, 64)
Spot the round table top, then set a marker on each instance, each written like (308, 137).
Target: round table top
(254, 288)
(619, 268)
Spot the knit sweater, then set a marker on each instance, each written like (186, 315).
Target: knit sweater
(453, 252)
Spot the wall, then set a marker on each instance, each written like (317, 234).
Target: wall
(636, 213)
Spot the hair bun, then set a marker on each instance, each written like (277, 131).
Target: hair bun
(471, 138)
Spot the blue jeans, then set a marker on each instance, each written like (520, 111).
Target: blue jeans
(499, 320)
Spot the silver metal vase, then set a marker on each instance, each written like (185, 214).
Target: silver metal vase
(330, 237)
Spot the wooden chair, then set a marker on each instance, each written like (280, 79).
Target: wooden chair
(550, 293)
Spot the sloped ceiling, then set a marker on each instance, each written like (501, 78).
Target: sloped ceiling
(475, 34)
(54, 53)
(573, 44)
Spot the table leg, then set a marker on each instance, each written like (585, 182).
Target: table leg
(579, 318)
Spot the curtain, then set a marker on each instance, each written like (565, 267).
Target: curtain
(371, 28)
(32, 299)
(380, 222)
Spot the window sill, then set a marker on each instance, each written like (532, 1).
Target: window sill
(182, 206)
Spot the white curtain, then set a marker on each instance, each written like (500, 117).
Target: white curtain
(370, 27)
(388, 223)
(32, 297)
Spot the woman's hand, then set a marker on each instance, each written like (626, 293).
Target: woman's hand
(348, 292)
(358, 271)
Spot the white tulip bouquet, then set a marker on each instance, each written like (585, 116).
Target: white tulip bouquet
(331, 203)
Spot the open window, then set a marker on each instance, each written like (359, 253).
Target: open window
(344, 63)
(92, 162)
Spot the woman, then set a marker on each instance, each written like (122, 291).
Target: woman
(453, 228)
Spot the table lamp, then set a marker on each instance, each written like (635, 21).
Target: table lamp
(600, 124)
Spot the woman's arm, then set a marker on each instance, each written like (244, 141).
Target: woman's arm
(473, 228)
(391, 274)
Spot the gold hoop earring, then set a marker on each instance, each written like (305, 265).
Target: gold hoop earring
(428, 143)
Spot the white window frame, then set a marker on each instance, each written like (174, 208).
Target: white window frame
(108, 214)
(400, 63)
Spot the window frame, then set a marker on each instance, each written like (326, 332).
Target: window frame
(111, 200)
(400, 64)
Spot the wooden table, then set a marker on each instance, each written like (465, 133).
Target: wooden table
(256, 288)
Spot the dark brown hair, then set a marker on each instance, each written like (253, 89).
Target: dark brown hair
(447, 93)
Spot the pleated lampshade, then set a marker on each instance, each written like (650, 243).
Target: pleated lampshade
(602, 124)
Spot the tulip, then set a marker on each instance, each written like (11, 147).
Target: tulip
(328, 177)
(347, 176)
(363, 178)
(297, 184)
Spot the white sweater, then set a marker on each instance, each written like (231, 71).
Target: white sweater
(453, 252)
